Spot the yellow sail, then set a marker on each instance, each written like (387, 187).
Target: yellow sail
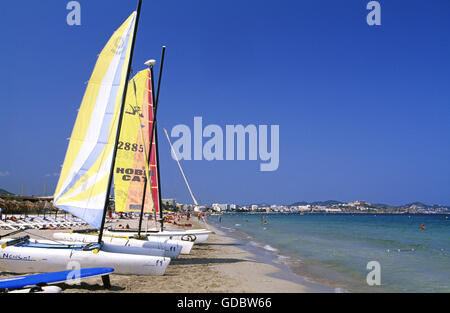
(131, 168)
(82, 185)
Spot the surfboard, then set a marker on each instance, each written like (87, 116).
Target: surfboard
(27, 281)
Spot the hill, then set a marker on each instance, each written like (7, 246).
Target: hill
(4, 192)
(318, 203)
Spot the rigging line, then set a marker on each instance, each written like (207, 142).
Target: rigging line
(181, 169)
(43, 237)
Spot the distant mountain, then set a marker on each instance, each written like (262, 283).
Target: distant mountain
(4, 192)
(413, 205)
(318, 203)
(417, 204)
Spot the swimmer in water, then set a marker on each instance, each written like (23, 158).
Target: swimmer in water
(422, 226)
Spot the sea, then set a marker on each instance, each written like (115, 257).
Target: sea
(351, 253)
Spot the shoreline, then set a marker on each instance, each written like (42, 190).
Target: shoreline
(279, 270)
(288, 266)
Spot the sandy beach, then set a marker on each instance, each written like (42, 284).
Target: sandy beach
(218, 265)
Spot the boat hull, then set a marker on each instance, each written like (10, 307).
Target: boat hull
(196, 236)
(107, 247)
(22, 259)
(171, 249)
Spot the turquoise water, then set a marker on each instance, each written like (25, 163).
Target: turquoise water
(335, 249)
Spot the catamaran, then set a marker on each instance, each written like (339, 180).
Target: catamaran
(86, 177)
(136, 170)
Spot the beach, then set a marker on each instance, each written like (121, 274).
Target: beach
(219, 265)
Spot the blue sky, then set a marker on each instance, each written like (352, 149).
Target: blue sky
(364, 111)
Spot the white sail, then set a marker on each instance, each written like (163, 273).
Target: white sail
(82, 185)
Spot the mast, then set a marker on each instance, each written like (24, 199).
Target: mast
(156, 141)
(111, 172)
(181, 169)
(148, 179)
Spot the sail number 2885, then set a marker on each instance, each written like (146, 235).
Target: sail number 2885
(130, 147)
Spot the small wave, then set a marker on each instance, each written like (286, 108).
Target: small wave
(237, 225)
(282, 259)
(269, 248)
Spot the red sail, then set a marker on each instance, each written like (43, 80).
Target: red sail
(154, 183)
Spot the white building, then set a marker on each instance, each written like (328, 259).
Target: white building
(333, 210)
(224, 207)
(220, 207)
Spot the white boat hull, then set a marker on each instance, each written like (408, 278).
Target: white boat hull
(201, 235)
(22, 259)
(197, 236)
(170, 248)
(107, 247)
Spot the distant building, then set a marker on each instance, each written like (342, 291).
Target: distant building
(220, 207)
(171, 202)
(333, 210)
(304, 207)
(359, 203)
(320, 208)
(254, 207)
